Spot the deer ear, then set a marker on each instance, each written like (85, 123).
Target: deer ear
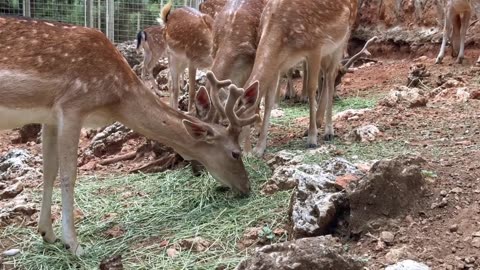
(202, 102)
(250, 95)
(198, 131)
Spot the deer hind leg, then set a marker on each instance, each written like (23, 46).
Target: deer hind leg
(329, 89)
(455, 39)
(192, 74)
(269, 103)
(290, 90)
(478, 61)
(321, 98)
(465, 20)
(304, 96)
(176, 69)
(68, 137)
(447, 27)
(313, 67)
(50, 171)
(147, 65)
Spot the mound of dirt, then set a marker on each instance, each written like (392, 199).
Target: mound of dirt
(392, 187)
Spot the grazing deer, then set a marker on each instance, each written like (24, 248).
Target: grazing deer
(152, 41)
(292, 31)
(211, 7)
(66, 77)
(456, 21)
(188, 34)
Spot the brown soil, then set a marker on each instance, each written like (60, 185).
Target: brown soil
(446, 133)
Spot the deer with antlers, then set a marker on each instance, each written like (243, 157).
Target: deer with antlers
(66, 77)
(152, 41)
(292, 31)
(188, 34)
(456, 21)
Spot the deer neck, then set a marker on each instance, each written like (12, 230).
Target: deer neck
(145, 113)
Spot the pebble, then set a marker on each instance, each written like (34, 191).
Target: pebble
(453, 228)
(457, 190)
(476, 242)
(387, 237)
(443, 193)
(11, 252)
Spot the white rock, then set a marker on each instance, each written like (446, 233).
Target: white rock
(11, 252)
(408, 265)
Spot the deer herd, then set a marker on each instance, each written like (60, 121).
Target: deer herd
(67, 77)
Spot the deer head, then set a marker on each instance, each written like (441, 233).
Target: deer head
(66, 77)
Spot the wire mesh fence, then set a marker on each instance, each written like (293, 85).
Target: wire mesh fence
(119, 19)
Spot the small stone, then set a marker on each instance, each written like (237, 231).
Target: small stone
(172, 253)
(443, 193)
(11, 252)
(460, 265)
(476, 242)
(449, 267)
(12, 191)
(476, 234)
(457, 190)
(453, 228)
(387, 237)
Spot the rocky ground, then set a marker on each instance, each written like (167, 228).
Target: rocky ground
(417, 210)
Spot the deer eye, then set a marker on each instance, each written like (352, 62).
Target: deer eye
(236, 155)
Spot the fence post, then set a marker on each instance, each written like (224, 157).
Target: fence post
(99, 15)
(110, 20)
(26, 8)
(89, 13)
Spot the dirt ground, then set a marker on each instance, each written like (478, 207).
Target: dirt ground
(446, 133)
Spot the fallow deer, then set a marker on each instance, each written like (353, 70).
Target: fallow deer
(66, 77)
(188, 34)
(152, 41)
(292, 31)
(212, 7)
(456, 21)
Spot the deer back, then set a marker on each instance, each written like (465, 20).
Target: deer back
(43, 63)
(235, 37)
(212, 7)
(188, 33)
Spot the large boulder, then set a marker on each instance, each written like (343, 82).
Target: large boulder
(391, 188)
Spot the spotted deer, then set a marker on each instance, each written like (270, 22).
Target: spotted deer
(212, 7)
(152, 41)
(66, 77)
(456, 21)
(188, 34)
(292, 31)
(235, 41)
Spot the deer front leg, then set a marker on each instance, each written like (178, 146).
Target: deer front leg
(192, 73)
(269, 103)
(329, 89)
(463, 32)
(50, 171)
(68, 137)
(313, 67)
(446, 30)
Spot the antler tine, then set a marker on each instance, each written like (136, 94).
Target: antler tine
(235, 120)
(356, 56)
(216, 85)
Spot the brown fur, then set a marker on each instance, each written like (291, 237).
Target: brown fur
(74, 74)
(154, 48)
(212, 7)
(292, 31)
(188, 34)
(456, 22)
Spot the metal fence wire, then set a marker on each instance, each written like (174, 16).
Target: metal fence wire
(119, 19)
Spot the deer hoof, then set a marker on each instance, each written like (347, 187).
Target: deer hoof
(312, 145)
(75, 249)
(222, 189)
(48, 237)
(459, 61)
(328, 137)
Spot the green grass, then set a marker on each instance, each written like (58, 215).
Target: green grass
(171, 206)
